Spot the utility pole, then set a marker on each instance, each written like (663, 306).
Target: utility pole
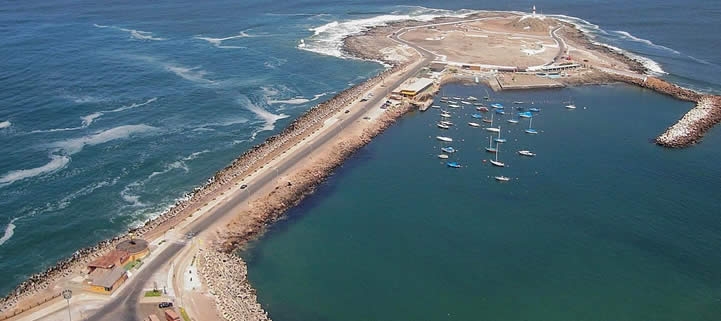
(67, 294)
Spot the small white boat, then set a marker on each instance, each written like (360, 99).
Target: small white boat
(443, 126)
(571, 106)
(446, 115)
(526, 153)
(454, 106)
(502, 178)
(472, 124)
(444, 138)
(493, 129)
(436, 106)
(443, 156)
(465, 102)
(471, 98)
(447, 123)
(518, 102)
(512, 121)
(456, 98)
(497, 162)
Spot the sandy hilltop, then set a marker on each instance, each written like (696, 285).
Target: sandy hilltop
(507, 50)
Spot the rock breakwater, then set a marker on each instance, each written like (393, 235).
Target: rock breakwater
(693, 125)
(226, 276)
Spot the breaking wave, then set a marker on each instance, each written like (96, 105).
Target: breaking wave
(595, 32)
(328, 38)
(134, 33)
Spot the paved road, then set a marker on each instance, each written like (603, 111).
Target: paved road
(125, 305)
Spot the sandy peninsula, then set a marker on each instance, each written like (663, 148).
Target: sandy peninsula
(507, 51)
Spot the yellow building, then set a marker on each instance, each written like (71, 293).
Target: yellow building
(414, 86)
(136, 248)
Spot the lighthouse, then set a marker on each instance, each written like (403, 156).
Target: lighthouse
(534, 11)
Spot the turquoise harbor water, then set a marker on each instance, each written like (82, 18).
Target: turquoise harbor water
(110, 112)
(600, 225)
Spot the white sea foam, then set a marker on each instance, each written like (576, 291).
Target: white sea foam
(87, 120)
(292, 101)
(57, 162)
(218, 42)
(328, 38)
(75, 145)
(194, 74)
(267, 117)
(628, 36)
(5, 124)
(9, 231)
(648, 63)
(134, 33)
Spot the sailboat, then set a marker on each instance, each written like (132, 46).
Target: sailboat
(526, 114)
(472, 124)
(513, 120)
(496, 162)
(444, 139)
(492, 129)
(486, 97)
(530, 130)
(499, 139)
(490, 148)
(443, 126)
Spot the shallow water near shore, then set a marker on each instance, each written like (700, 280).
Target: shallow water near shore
(600, 225)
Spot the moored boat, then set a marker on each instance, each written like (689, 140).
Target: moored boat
(453, 165)
(442, 126)
(449, 150)
(482, 108)
(502, 178)
(477, 116)
(454, 106)
(534, 109)
(442, 156)
(526, 153)
(444, 138)
(571, 106)
(472, 124)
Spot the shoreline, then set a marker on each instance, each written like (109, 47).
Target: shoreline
(269, 208)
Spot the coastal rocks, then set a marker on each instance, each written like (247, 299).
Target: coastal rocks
(227, 278)
(692, 126)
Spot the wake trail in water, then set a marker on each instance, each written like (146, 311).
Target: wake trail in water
(218, 42)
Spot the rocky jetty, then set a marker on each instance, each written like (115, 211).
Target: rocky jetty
(226, 276)
(693, 125)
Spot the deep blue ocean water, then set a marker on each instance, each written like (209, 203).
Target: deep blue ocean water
(109, 112)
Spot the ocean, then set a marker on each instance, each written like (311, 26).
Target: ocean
(110, 113)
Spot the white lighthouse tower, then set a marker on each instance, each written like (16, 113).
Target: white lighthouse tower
(534, 11)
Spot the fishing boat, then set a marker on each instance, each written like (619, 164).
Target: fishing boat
(534, 109)
(453, 165)
(482, 108)
(530, 130)
(490, 148)
(454, 106)
(449, 150)
(571, 106)
(496, 162)
(527, 114)
(442, 156)
(477, 116)
(502, 178)
(472, 124)
(526, 153)
(497, 106)
(499, 139)
(443, 126)
(444, 139)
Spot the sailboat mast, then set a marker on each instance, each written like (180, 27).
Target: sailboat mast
(498, 147)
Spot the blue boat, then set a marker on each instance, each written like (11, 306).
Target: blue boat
(501, 112)
(530, 130)
(448, 149)
(526, 114)
(497, 106)
(534, 109)
(478, 116)
(453, 165)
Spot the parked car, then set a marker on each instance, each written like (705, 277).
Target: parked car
(243, 186)
(164, 305)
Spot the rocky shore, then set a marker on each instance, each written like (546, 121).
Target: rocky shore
(226, 275)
